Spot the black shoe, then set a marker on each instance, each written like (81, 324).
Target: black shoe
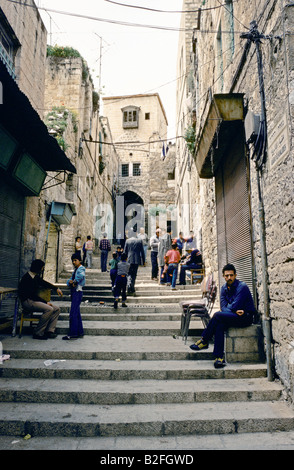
(51, 335)
(68, 338)
(124, 304)
(115, 304)
(219, 363)
(39, 337)
(199, 345)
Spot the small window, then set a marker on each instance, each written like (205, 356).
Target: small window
(147, 116)
(137, 169)
(171, 175)
(125, 169)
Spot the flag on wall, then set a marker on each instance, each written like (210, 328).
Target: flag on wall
(164, 151)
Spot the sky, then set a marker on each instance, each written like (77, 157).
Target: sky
(133, 60)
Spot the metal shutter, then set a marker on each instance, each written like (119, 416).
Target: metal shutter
(11, 220)
(233, 213)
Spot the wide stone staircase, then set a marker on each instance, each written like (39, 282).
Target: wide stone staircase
(132, 382)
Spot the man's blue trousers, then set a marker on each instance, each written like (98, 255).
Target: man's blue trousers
(219, 323)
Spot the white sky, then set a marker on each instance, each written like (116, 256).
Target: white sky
(134, 59)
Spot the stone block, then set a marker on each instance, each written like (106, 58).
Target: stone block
(245, 344)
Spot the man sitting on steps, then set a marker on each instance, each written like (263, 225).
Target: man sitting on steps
(237, 310)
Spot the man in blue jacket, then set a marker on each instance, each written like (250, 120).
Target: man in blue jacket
(237, 310)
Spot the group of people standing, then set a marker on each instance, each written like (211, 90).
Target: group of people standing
(124, 267)
(85, 250)
(167, 256)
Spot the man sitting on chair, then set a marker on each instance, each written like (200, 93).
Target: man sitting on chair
(237, 310)
(193, 261)
(28, 288)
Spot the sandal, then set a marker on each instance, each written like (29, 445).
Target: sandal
(69, 337)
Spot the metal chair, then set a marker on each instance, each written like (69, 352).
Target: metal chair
(184, 304)
(201, 309)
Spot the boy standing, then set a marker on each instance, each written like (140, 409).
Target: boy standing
(89, 246)
(113, 268)
(76, 284)
(172, 258)
(120, 285)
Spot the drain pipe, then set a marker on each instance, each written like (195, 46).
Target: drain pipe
(259, 156)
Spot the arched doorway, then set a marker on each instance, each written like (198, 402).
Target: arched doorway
(131, 215)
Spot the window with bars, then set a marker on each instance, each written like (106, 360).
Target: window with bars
(136, 169)
(125, 170)
(7, 50)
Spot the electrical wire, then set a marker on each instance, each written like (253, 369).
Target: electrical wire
(120, 23)
(163, 11)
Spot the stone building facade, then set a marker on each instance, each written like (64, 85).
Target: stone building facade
(52, 173)
(146, 160)
(239, 60)
(69, 89)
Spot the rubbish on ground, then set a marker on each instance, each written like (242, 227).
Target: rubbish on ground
(4, 357)
(49, 362)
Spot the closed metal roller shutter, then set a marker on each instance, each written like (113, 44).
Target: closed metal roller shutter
(11, 220)
(233, 213)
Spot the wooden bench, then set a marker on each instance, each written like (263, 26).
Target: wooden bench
(195, 276)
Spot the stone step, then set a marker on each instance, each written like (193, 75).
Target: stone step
(107, 347)
(140, 287)
(144, 420)
(167, 297)
(122, 316)
(93, 307)
(156, 291)
(131, 328)
(120, 392)
(164, 445)
(69, 366)
(96, 274)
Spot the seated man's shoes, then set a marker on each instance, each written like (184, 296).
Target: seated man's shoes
(199, 345)
(219, 363)
(35, 336)
(51, 335)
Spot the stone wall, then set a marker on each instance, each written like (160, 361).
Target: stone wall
(32, 35)
(69, 85)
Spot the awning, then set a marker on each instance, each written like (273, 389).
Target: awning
(21, 120)
(226, 114)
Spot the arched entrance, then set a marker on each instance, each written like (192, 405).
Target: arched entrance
(130, 215)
